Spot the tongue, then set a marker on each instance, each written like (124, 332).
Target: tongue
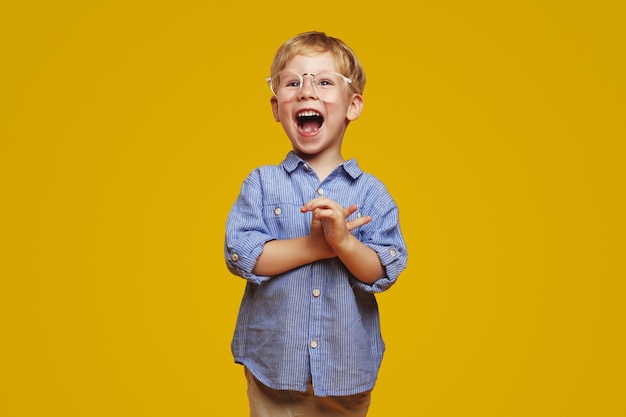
(310, 126)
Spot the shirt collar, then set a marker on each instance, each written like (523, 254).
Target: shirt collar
(292, 161)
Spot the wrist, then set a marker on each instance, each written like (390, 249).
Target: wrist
(345, 246)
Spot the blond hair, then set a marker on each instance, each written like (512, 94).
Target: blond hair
(311, 43)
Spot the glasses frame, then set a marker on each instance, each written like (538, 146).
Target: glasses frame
(313, 81)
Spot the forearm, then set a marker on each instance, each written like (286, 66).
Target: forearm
(361, 260)
(280, 256)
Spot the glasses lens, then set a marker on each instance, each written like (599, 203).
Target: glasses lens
(329, 84)
(287, 84)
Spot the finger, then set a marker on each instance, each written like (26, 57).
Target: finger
(320, 202)
(358, 222)
(326, 213)
(313, 204)
(349, 210)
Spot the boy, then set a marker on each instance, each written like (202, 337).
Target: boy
(315, 238)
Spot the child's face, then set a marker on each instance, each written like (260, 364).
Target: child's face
(315, 126)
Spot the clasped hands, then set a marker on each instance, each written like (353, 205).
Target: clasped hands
(329, 227)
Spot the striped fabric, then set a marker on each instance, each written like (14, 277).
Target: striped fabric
(316, 323)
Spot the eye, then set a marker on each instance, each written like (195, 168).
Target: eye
(325, 82)
(290, 80)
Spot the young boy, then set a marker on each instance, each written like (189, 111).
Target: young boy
(315, 238)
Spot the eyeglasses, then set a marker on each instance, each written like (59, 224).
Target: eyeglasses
(286, 85)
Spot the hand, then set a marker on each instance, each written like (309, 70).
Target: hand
(329, 226)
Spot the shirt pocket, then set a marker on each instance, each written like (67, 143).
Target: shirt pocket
(285, 220)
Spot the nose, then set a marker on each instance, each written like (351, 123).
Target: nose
(308, 88)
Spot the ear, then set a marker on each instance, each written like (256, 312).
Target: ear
(355, 108)
(274, 102)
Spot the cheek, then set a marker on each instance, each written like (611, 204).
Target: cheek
(283, 115)
(283, 110)
(336, 111)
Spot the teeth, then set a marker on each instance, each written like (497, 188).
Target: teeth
(308, 113)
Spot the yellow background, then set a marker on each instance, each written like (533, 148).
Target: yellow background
(126, 130)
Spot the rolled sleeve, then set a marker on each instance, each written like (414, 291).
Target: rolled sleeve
(393, 260)
(241, 257)
(246, 232)
(385, 238)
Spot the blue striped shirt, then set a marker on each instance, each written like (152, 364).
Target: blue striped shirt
(316, 323)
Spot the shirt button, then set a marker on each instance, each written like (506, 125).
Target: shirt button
(320, 191)
(393, 252)
(306, 167)
(314, 344)
(234, 257)
(277, 211)
(316, 293)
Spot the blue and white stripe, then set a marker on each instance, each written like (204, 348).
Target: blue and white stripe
(314, 323)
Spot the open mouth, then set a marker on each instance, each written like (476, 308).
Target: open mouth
(309, 121)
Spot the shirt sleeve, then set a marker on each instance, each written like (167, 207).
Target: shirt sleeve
(246, 231)
(383, 235)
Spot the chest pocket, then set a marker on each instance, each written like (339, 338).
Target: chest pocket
(282, 200)
(285, 221)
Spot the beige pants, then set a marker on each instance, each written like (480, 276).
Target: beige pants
(268, 402)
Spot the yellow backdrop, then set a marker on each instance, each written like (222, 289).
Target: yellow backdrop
(127, 127)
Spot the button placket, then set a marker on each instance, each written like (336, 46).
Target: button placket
(316, 323)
